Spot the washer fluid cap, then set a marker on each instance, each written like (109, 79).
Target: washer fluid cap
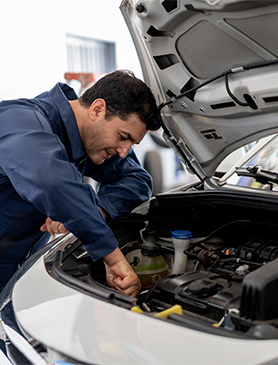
(181, 235)
(151, 249)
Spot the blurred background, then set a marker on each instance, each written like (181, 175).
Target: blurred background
(42, 40)
(43, 43)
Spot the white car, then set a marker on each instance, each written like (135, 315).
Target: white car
(211, 297)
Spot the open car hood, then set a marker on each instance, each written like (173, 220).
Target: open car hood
(213, 67)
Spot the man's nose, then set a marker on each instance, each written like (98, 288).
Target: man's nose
(124, 148)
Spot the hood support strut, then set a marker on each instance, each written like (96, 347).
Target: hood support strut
(184, 155)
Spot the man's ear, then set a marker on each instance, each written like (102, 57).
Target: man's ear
(97, 109)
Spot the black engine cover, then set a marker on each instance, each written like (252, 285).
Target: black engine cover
(200, 292)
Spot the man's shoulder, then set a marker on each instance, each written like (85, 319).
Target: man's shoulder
(20, 114)
(15, 109)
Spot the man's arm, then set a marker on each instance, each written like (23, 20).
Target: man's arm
(54, 227)
(123, 184)
(119, 273)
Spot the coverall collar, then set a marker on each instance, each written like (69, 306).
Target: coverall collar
(61, 94)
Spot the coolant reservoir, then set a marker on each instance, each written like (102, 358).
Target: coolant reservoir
(149, 265)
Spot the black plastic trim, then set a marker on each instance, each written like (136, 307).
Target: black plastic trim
(97, 290)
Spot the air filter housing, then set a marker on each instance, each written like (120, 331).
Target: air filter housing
(259, 299)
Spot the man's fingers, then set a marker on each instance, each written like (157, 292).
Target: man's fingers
(48, 227)
(120, 274)
(62, 229)
(127, 288)
(53, 227)
(58, 227)
(43, 228)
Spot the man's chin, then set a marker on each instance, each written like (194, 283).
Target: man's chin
(97, 160)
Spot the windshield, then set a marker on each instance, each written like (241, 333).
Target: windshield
(263, 156)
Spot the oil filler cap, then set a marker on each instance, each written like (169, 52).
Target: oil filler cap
(202, 286)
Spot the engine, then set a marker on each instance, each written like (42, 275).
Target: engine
(236, 288)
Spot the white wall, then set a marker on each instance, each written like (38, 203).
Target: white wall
(33, 40)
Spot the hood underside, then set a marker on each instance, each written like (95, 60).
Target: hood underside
(213, 67)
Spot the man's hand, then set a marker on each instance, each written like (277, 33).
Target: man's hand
(53, 227)
(120, 274)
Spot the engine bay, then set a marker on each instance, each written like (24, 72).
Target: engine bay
(230, 282)
(228, 287)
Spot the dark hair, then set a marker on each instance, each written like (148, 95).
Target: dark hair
(124, 95)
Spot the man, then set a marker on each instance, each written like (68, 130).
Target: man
(48, 144)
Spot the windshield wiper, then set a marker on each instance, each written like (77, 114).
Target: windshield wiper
(262, 176)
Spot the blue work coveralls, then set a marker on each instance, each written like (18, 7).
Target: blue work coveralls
(42, 165)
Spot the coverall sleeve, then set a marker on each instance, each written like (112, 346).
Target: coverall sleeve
(37, 165)
(123, 184)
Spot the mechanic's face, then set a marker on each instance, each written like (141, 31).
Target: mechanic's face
(104, 138)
